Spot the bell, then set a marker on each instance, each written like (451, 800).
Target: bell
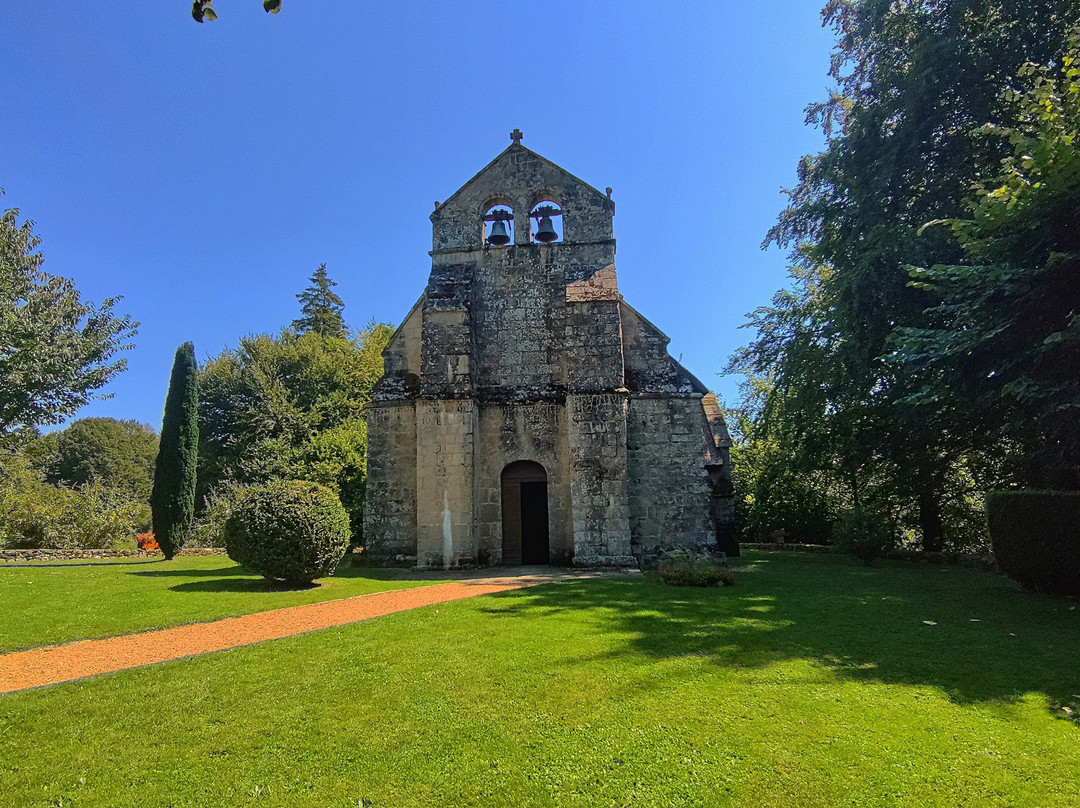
(498, 235)
(545, 231)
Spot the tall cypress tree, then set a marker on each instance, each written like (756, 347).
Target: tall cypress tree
(172, 500)
(321, 307)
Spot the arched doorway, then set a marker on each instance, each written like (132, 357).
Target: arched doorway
(525, 514)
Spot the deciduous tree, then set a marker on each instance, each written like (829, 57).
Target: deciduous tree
(56, 350)
(1004, 343)
(915, 81)
(291, 407)
(118, 454)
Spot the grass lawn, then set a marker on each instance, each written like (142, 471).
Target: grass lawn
(813, 682)
(52, 603)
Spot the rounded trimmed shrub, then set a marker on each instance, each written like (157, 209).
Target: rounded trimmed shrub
(289, 531)
(866, 533)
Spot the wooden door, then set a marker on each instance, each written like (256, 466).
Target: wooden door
(525, 514)
(534, 523)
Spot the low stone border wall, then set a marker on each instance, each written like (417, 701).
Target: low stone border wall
(77, 555)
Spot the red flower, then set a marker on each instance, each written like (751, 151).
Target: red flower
(147, 541)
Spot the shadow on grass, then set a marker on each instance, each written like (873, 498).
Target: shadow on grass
(344, 570)
(237, 579)
(191, 572)
(986, 640)
(87, 563)
(247, 584)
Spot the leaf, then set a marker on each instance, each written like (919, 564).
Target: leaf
(203, 10)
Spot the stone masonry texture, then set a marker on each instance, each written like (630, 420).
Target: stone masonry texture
(527, 352)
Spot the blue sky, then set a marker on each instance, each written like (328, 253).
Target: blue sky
(204, 171)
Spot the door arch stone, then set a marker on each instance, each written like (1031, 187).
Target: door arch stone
(525, 514)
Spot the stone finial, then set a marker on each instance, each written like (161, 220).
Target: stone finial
(516, 136)
(608, 190)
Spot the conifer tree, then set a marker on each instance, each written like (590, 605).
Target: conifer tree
(173, 498)
(321, 307)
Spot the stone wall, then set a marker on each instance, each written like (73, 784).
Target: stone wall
(670, 496)
(598, 479)
(649, 367)
(602, 284)
(402, 359)
(522, 179)
(517, 324)
(593, 341)
(390, 499)
(444, 483)
(445, 359)
(512, 432)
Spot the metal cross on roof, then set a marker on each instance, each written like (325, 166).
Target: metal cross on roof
(516, 136)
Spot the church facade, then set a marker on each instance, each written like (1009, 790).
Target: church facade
(527, 413)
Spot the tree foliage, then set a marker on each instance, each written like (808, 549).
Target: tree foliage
(915, 83)
(34, 514)
(56, 350)
(118, 454)
(203, 10)
(173, 496)
(1004, 342)
(320, 307)
(291, 407)
(779, 496)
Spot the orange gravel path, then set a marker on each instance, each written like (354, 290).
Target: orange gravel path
(21, 670)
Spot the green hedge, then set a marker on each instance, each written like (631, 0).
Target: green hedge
(1036, 537)
(288, 531)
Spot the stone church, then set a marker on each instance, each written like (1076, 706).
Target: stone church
(528, 414)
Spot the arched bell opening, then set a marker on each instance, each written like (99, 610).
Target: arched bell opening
(498, 226)
(525, 514)
(547, 223)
